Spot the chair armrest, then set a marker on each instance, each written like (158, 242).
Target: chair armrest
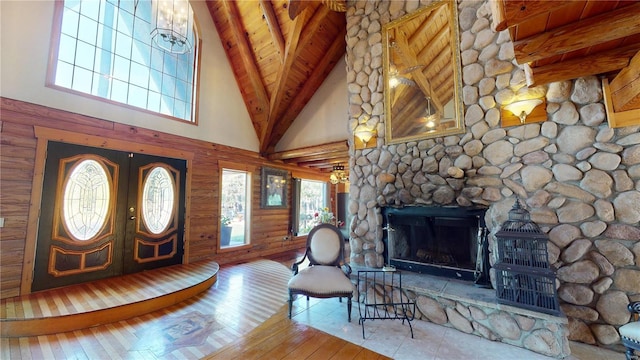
(634, 308)
(294, 267)
(346, 268)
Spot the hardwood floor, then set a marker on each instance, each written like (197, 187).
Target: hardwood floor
(82, 306)
(242, 316)
(280, 338)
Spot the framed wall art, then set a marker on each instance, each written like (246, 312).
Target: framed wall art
(273, 189)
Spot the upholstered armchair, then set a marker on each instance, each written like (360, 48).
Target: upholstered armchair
(630, 333)
(327, 275)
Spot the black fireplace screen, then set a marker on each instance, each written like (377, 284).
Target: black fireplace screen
(441, 241)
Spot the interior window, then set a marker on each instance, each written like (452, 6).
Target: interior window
(104, 48)
(235, 205)
(312, 197)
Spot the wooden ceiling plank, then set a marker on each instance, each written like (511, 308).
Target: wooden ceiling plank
(274, 27)
(588, 32)
(231, 12)
(518, 11)
(424, 26)
(317, 77)
(442, 36)
(625, 87)
(603, 62)
(336, 146)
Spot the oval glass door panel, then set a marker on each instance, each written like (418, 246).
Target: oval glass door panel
(158, 200)
(86, 200)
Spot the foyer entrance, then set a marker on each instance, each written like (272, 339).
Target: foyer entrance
(106, 213)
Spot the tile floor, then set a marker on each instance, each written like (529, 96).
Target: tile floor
(431, 341)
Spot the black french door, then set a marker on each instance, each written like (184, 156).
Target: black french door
(106, 213)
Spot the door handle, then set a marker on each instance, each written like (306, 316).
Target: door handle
(132, 217)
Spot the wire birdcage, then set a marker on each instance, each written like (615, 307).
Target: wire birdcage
(523, 274)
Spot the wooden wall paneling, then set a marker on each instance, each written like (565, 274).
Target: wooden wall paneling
(17, 160)
(21, 166)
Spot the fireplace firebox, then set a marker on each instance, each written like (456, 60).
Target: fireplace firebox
(438, 240)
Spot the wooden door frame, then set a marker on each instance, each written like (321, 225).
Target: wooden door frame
(43, 136)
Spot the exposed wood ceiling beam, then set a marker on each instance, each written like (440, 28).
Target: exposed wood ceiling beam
(231, 12)
(290, 55)
(337, 146)
(584, 33)
(302, 97)
(274, 27)
(599, 63)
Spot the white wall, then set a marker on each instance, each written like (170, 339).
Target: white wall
(325, 118)
(24, 41)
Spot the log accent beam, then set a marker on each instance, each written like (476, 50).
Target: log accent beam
(599, 63)
(593, 31)
(338, 146)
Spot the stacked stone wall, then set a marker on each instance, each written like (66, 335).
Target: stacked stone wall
(579, 178)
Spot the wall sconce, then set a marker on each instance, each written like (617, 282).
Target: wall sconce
(524, 111)
(363, 134)
(173, 25)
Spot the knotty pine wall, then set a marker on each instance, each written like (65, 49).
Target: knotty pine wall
(22, 161)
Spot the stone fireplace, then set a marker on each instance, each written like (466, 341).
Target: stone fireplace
(578, 177)
(439, 240)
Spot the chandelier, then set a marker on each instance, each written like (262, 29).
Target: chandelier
(338, 175)
(173, 20)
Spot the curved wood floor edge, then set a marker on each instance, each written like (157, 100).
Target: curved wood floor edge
(105, 301)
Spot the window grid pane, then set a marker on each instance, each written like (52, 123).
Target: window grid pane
(106, 50)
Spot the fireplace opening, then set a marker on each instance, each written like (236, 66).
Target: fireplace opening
(443, 241)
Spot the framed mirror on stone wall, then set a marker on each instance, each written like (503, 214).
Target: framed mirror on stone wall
(422, 74)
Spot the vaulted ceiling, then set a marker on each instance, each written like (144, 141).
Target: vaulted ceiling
(282, 50)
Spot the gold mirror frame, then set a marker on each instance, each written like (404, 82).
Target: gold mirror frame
(422, 74)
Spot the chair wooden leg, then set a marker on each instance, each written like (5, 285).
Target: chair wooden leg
(349, 308)
(290, 304)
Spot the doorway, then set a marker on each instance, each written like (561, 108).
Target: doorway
(106, 213)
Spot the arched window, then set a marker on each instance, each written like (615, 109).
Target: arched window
(104, 48)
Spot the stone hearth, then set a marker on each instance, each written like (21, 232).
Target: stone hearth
(474, 310)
